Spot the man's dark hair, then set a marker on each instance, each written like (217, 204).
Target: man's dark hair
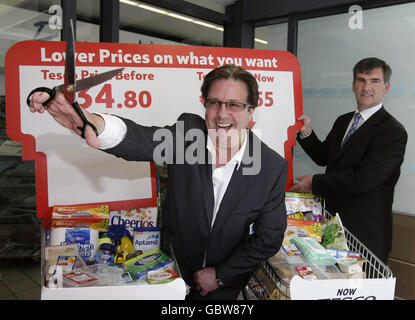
(368, 64)
(230, 71)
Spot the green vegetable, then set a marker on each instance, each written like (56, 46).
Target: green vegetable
(330, 234)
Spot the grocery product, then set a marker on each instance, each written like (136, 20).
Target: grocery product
(121, 239)
(337, 254)
(164, 276)
(314, 251)
(86, 238)
(83, 211)
(146, 239)
(134, 218)
(302, 228)
(100, 225)
(333, 235)
(306, 273)
(52, 253)
(292, 253)
(303, 202)
(152, 260)
(351, 264)
(67, 263)
(106, 253)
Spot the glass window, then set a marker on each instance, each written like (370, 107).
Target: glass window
(329, 47)
(157, 22)
(272, 37)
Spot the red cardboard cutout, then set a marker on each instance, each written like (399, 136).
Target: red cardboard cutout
(159, 83)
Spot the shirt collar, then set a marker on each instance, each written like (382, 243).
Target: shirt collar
(367, 113)
(237, 157)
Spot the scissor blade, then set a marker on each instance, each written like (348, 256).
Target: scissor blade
(92, 81)
(69, 76)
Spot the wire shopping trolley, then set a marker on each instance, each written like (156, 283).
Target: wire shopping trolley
(267, 283)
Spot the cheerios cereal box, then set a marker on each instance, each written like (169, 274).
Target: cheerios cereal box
(134, 218)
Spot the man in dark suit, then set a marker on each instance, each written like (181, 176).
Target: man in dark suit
(213, 197)
(362, 153)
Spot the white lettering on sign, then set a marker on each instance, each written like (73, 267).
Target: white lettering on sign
(260, 63)
(60, 56)
(106, 55)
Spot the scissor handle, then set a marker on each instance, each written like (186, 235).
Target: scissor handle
(85, 122)
(50, 92)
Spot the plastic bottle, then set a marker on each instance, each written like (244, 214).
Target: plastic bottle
(104, 238)
(106, 253)
(126, 243)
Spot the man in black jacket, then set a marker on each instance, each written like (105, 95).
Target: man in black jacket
(233, 182)
(362, 153)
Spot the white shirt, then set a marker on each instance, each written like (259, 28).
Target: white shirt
(222, 175)
(115, 131)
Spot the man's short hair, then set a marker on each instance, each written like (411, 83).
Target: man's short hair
(368, 64)
(230, 71)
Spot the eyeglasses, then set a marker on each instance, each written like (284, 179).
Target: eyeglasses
(231, 106)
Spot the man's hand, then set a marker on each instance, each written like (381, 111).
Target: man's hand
(62, 111)
(304, 185)
(205, 280)
(306, 129)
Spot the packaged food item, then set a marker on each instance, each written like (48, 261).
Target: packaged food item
(81, 278)
(313, 271)
(351, 264)
(121, 239)
(147, 239)
(149, 261)
(100, 225)
(95, 275)
(292, 253)
(302, 228)
(82, 211)
(86, 238)
(337, 254)
(314, 251)
(106, 253)
(104, 238)
(331, 272)
(333, 235)
(306, 215)
(135, 218)
(67, 263)
(164, 276)
(306, 273)
(303, 202)
(52, 253)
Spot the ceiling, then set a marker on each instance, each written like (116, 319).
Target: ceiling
(132, 18)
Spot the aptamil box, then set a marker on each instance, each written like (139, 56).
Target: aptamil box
(135, 218)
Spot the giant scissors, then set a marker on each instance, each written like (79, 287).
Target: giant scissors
(70, 86)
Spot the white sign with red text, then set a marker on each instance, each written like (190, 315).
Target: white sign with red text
(159, 83)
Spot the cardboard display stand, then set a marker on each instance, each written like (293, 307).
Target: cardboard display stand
(159, 83)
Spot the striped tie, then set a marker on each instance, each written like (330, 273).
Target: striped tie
(353, 128)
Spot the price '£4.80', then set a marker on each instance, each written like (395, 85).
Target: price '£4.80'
(131, 99)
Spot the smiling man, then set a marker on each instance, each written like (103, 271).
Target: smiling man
(211, 203)
(363, 154)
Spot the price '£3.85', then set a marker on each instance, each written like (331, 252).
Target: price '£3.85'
(131, 99)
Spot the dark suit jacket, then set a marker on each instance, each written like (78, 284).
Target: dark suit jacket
(361, 176)
(257, 199)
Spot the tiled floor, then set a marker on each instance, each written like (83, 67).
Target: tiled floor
(20, 279)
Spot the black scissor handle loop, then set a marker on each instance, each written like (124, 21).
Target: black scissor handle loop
(50, 92)
(85, 122)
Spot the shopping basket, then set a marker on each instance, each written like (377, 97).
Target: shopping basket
(267, 284)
